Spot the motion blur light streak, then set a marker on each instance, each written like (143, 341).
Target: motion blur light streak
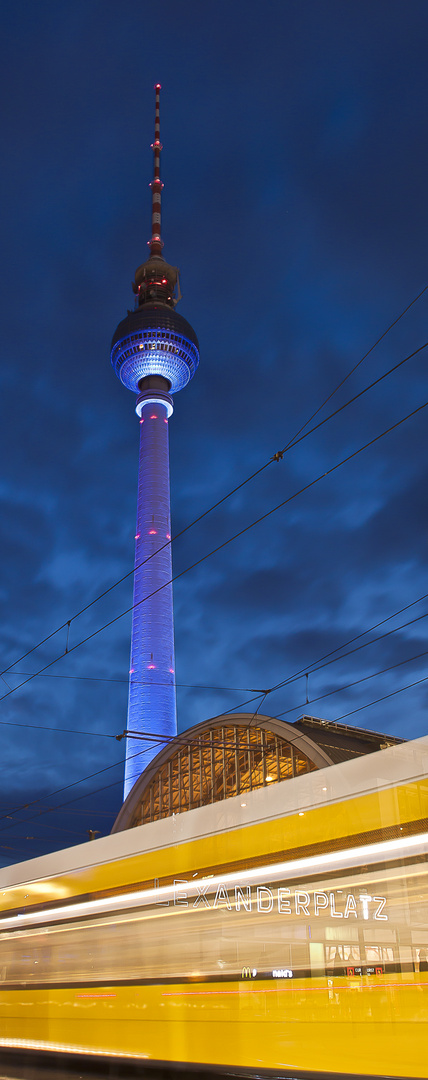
(371, 853)
(244, 932)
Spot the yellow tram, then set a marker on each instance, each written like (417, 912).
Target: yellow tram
(287, 930)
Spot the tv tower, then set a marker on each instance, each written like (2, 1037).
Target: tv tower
(155, 353)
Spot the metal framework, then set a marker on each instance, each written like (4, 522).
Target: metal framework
(221, 762)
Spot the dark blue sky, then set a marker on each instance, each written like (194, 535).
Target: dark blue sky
(295, 164)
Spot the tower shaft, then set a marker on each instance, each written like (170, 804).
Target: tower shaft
(151, 700)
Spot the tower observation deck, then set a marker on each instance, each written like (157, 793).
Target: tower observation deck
(154, 353)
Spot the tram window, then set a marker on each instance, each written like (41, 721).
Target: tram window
(379, 954)
(420, 939)
(382, 936)
(300, 956)
(422, 960)
(339, 955)
(335, 933)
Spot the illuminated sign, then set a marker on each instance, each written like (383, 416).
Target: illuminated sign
(282, 973)
(313, 904)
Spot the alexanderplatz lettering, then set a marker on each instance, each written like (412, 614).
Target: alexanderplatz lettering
(335, 904)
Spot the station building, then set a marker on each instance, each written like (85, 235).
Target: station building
(234, 754)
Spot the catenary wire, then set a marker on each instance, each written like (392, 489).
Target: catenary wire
(299, 438)
(356, 682)
(124, 682)
(337, 690)
(310, 669)
(58, 791)
(96, 791)
(392, 324)
(383, 698)
(225, 543)
(357, 365)
(276, 457)
(22, 821)
(149, 739)
(183, 738)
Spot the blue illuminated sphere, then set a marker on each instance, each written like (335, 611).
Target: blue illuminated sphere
(154, 340)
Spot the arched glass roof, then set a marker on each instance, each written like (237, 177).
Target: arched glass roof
(229, 755)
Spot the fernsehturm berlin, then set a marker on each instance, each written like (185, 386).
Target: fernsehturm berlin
(154, 353)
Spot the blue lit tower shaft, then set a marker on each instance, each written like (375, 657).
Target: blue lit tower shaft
(151, 677)
(155, 353)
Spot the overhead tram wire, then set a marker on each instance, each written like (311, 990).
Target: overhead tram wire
(100, 813)
(60, 730)
(384, 697)
(96, 791)
(227, 496)
(58, 791)
(184, 738)
(275, 457)
(308, 669)
(100, 734)
(23, 821)
(293, 678)
(220, 547)
(124, 682)
(299, 438)
(358, 364)
(66, 787)
(312, 670)
(351, 685)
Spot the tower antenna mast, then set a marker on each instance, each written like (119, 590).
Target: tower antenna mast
(156, 244)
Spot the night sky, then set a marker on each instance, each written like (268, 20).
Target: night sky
(295, 166)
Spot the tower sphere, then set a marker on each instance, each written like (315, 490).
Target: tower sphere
(154, 340)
